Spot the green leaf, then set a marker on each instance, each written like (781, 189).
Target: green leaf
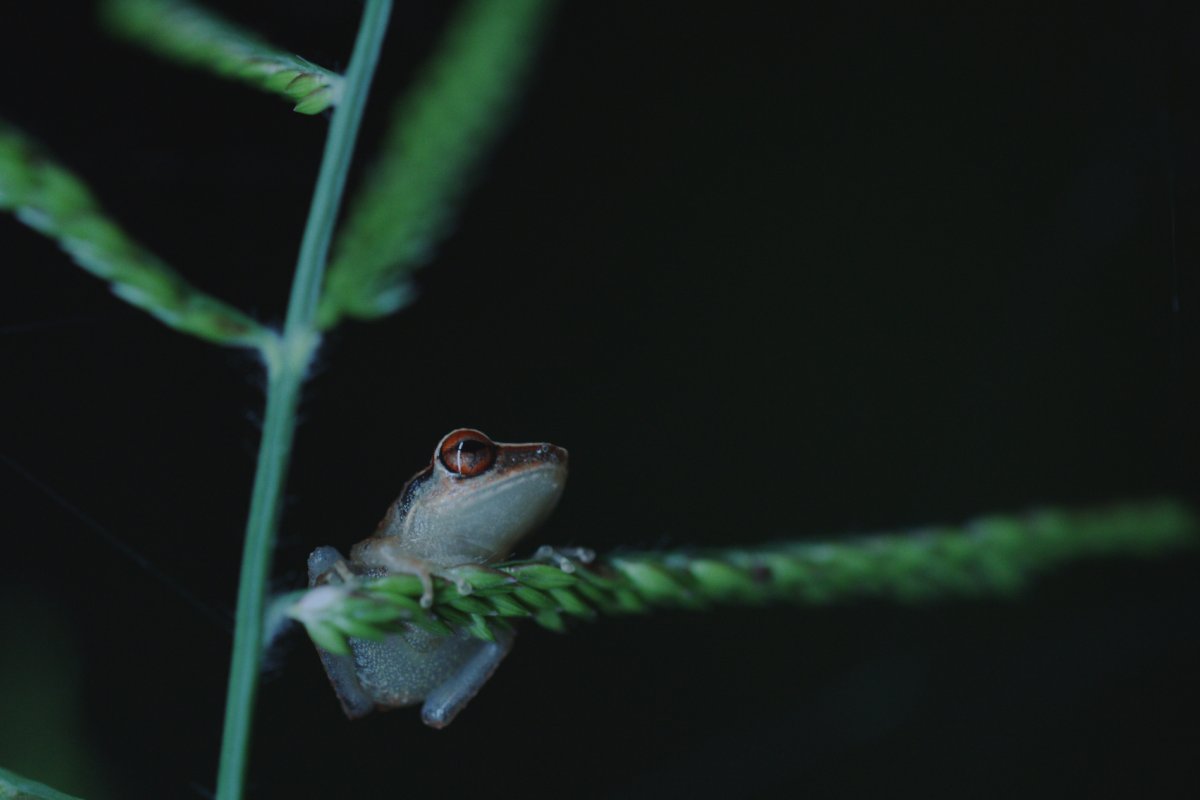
(479, 578)
(453, 617)
(360, 629)
(507, 606)
(628, 602)
(479, 628)
(724, 581)
(534, 598)
(648, 578)
(439, 134)
(468, 604)
(432, 624)
(364, 610)
(54, 202)
(411, 605)
(407, 585)
(570, 603)
(328, 637)
(191, 35)
(548, 618)
(544, 576)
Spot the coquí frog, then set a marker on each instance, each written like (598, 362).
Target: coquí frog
(471, 505)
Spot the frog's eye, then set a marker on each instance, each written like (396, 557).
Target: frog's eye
(467, 452)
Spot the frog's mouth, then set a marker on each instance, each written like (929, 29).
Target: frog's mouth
(494, 515)
(512, 456)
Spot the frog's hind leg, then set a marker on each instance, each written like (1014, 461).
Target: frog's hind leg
(443, 703)
(326, 566)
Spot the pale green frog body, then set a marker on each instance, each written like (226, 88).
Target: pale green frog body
(471, 505)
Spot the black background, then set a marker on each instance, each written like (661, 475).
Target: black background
(765, 273)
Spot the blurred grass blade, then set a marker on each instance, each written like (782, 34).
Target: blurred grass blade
(51, 200)
(191, 35)
(439, 133)
(14, 787)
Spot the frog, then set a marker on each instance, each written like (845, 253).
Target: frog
(471, 506)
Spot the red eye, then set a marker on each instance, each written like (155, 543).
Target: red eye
(467, 452)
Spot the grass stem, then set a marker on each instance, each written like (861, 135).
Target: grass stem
(287, 362)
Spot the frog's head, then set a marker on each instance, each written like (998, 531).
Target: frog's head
(477, 497)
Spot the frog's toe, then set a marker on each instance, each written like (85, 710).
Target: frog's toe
(565, 558)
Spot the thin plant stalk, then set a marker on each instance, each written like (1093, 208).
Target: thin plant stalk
(287, 363)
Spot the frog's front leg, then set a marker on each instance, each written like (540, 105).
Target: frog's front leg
(388, 552)
(444, 701)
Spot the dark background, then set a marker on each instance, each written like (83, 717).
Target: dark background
(765, 273)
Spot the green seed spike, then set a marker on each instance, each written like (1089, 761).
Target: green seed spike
(993, 555)
(52, 201)
(191, 35)
(440, 132)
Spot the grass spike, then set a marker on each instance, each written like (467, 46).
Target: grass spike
(52, 201)
(189, 34)
(992, 555)
(439, 133)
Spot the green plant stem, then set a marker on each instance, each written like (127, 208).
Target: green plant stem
(287, 364)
